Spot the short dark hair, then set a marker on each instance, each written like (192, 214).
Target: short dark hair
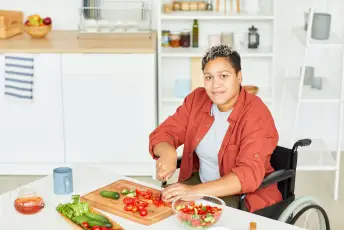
(222, 51)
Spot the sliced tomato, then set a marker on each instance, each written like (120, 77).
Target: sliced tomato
(96, 228)
(128, 200)
(85, 225)
(134, 209)
(128, 207)
(143, 212)
(141, 207)
(105, 228)
(141, 202)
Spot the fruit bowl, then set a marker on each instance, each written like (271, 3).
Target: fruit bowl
(251, 89)
(38, 31)
(198, 211)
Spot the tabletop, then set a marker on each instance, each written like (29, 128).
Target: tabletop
(87, 179)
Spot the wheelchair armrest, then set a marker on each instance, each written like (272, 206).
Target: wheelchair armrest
(277, 176)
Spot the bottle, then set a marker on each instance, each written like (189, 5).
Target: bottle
(195, 34)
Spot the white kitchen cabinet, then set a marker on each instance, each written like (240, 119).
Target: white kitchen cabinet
(109, 109)
(31, 132)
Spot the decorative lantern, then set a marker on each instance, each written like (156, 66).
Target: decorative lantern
(253, 38)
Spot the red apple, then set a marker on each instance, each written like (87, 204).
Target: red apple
(47, 21)
(27, 22)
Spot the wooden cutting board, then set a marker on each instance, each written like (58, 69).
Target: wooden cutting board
(116, 207)
(115, 226)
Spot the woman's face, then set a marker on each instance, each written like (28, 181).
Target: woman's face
(221, 83)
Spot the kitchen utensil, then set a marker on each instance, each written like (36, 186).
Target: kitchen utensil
(28, 202)
(38, 31)
(317, 83)
(183, 218)
(321, 26)
(116, 207)
(63, 180)
(238, 5)
(92, 210)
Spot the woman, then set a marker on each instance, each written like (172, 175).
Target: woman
(228, 136)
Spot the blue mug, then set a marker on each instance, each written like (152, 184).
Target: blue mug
(63, 180)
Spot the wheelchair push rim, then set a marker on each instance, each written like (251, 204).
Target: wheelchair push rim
(301, 217)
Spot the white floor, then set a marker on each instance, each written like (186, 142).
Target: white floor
(316, 184)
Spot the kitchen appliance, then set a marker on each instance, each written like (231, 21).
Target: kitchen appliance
(110, 16)
(253, 38)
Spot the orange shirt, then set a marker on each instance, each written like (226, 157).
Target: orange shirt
(245, 151)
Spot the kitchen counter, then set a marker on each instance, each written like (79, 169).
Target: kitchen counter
(62, 41)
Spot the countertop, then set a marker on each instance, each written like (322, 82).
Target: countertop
(66, 41)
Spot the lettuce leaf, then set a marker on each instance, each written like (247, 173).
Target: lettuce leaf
(74, 208)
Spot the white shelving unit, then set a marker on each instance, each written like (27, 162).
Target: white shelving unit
(175, 62)
(318, 156)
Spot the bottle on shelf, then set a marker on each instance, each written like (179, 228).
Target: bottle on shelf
(195, 32)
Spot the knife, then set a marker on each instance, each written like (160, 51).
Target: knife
(163, 184)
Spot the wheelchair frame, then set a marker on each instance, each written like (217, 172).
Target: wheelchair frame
(285, 165)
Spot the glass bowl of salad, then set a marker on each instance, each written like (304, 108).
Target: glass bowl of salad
(198, 211)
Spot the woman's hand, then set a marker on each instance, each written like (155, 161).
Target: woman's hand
(166, 165)
(176, 191)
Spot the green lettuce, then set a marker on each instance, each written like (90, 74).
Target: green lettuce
(74, 208)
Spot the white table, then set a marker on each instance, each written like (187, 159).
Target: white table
(87, 179)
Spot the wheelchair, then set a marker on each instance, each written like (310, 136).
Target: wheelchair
(289, 210)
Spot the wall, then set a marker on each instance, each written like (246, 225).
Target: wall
(289, 13)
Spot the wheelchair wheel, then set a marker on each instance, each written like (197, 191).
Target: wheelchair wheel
(305, 212)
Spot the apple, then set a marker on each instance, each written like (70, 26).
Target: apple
(27, 22)
(47, 21)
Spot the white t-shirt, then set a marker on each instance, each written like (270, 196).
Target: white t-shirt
(208, 149)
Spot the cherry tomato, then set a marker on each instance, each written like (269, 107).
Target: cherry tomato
(141, 207)
(128, 207)
(105, 228)
(134, 209)
(143, 212)
(128, 200)
(96, 228)
(85, 225)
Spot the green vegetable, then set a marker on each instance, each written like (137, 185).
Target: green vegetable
(209, 219)
(93, 223)
(75, 208)
(80, 219)
(109, 194)
(125, 191)
(95, 216)
(131, 194)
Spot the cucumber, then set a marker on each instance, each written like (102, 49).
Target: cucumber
(80, 219)
(109, 194)
(93, 223)
(95, 216)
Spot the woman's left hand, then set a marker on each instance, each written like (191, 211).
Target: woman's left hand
(176, 191)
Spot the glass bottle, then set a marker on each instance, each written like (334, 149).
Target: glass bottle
(253, 38)
(195, 32)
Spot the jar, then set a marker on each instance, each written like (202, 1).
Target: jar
(165, 38)
(175, 39)
(202, 6)
(167, 8)
(185, 38)
(185, 6)
(176, 6)
(193, 6)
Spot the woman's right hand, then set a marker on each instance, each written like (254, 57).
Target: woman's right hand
(166, 165)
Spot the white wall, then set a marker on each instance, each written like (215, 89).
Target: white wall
(289, 13)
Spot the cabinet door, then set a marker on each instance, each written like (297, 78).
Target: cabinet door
(109, 116)
(31, 130)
